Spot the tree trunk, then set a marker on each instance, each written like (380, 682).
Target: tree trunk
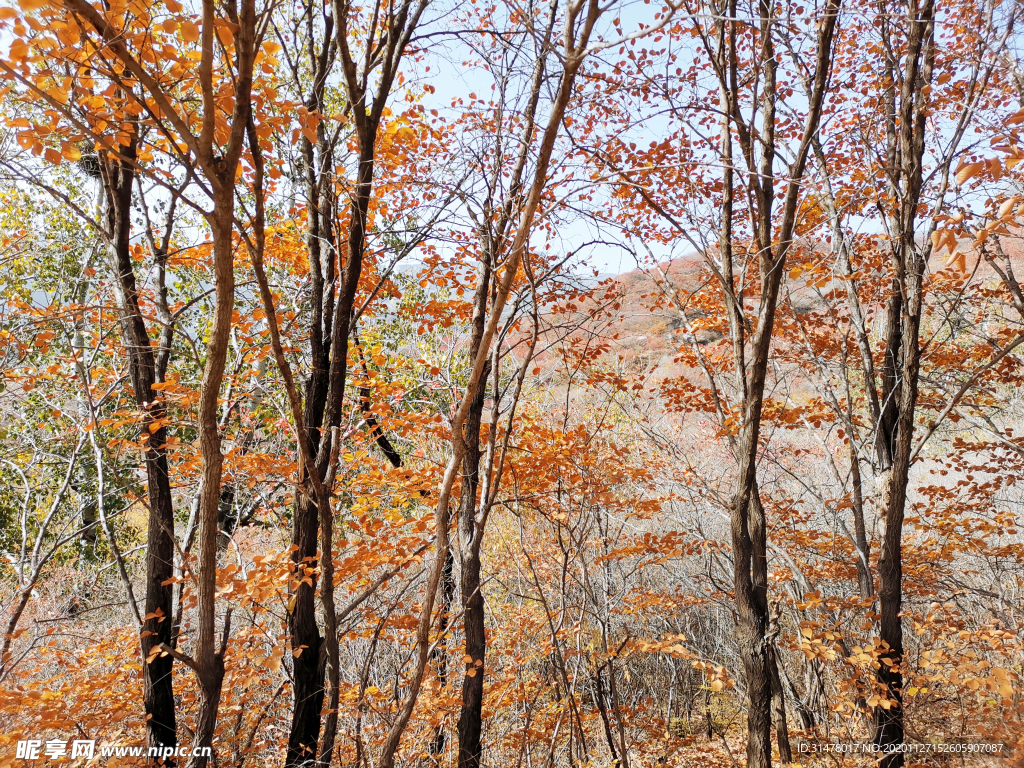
(888, 719)
(308, 668)
(329, 342)
(751, 348)
(209, 660)
(161, 727)
(865, 581)
(752, 608)
(903, 357)
(470, 716)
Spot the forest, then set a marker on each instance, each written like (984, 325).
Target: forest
(479, 384)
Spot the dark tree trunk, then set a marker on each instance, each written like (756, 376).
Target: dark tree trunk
(752, 337)
(598, 695)
(308, 668)
(161, 728)
(329, 341)
(903, 358)
(470, 717)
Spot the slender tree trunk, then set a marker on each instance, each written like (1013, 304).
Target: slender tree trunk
(909, 261)
(309, 665)
(579, 22)
(329, 342)
(759, 540)
(888, 719)
(161, 728)
(598, 694)
(617, 706)
(331, 655)
(470, 716)
(750, 355)
(209, 659)
(865, 581)
(217, 157)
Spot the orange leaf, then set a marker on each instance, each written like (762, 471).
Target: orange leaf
(18, 49)
(968, 171)
(189, 31)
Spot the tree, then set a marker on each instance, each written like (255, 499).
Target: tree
(216, 151)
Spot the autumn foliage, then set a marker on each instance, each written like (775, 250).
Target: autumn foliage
(506, 384)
